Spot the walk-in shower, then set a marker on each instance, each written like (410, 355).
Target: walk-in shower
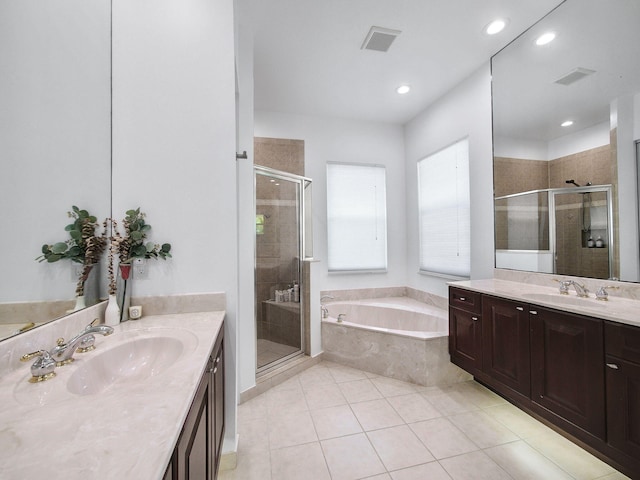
(282, 211)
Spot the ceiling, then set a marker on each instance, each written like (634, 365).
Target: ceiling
(308, 57)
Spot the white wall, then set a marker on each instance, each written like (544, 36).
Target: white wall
(579, 141)
(341, 140)
(520, 148)
(174, 146)
(464, 111)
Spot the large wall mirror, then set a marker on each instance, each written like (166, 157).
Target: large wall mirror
(566, 115)
(55, 124)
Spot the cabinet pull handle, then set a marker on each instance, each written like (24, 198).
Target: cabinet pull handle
(533, 312)
(475, 319)
(218, 360)
(215, 370)
(463, 299)
(520, 309)
(613, 365)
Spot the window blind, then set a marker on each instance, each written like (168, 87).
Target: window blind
(444, 219)
(356, 217)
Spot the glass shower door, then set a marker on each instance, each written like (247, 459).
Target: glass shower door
(278, 289)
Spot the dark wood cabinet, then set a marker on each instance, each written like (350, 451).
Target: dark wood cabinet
(197, 453)
(505, 343)
(622, 344)
(465, 329)
(567, 378)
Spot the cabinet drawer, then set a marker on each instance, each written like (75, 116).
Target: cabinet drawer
(465, 300)
(622, 341)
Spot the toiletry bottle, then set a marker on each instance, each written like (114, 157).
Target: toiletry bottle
(296, 292)
(599, 242)
(591, 243)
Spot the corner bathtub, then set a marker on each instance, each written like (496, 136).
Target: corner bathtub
(397, 337)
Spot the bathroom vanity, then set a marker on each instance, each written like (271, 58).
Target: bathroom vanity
(573, 363)
(148, 402)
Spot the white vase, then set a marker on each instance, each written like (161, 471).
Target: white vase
(80, 303)
(112, 312)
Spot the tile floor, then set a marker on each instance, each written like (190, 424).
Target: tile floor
(269, 351)
(335, 422)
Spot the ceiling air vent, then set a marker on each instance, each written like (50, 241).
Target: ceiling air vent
(379, 39)
(574, 75)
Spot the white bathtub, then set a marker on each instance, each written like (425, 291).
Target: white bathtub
(397, 337)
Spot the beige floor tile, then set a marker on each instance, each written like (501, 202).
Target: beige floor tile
(516, 420)
(478, 394)
(482, 429)
(334, 422)
(442, 438)
(475, 466)
(413, 408)
(254, 408)
(289, 429)
(427, 471)
(398, 447)
(615, 476)
(302, 461)
(568, 456)
(390, 387)
(351, 457)
(346, 374)
(359, 391)
(253, 434)
(382, 476)
(256, 466)
(525, 463)
(315, 376)
(281, 401)
(449, 401)
(376, 414)
(322, 396)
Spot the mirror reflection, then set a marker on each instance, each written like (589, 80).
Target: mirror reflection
(55, 144)
(565, 117)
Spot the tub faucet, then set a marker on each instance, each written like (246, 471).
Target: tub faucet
(323, 309)
(63, 352)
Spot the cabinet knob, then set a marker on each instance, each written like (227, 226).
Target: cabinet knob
(533, 312)
(613, 366)
(462, 299)
(215, 370)
(218, 360)
(475, 319)
(520, 309)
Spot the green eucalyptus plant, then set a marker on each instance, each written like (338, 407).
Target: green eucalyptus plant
(84, 246)
(133, 243)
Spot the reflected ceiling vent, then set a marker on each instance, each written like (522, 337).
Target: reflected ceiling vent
(379, 39)
(574, 75)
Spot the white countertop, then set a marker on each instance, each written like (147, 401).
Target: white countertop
(127, 431)
(616, 309)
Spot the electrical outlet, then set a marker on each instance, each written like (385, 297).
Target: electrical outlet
(140, 269)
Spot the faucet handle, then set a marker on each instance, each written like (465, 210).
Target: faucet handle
(43, 368)
(564, 286)
(602, 293)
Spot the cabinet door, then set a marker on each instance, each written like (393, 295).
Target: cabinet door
(567, 376)
(505, 343)
(465, 339)
(193, 453)
(623, 405)
(218, 405)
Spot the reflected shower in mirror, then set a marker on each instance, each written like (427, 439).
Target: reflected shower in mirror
(565, 117)
(55, 142)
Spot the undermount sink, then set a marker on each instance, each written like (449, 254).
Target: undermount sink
(559, 299)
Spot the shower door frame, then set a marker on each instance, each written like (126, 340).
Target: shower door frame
(301, 207)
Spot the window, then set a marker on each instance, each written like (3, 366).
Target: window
(443, 191)
(356, 217)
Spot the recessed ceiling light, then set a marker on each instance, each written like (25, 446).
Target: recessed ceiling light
(545, 38)
(496, 26)
(403, 89)
(567, 123)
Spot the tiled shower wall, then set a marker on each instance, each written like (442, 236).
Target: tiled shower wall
(596, 165)
(277, 247)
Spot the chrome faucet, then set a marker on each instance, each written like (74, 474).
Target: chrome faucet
(323, 309)
(581, 290)
(63, 352)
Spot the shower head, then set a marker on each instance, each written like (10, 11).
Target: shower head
(572, 181)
